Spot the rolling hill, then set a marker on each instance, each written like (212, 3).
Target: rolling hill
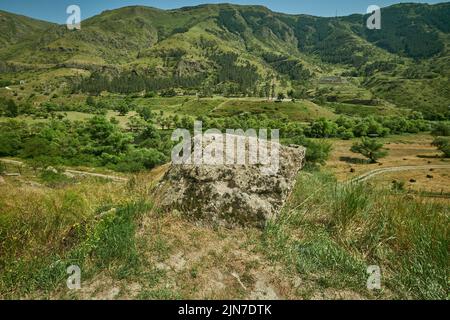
(15, 28)
(240, 50)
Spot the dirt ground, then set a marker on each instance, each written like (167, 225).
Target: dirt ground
(435, 181)
(409, 150)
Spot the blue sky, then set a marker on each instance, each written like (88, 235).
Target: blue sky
(55, 10)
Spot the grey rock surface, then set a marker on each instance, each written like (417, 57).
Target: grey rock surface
(231, 195)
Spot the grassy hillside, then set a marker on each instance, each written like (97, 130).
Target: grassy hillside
(16, 28)
(241, 50)
(318, 248)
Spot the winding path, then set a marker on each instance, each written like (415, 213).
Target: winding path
(368, 175)
(97, 175)
(75, 172)
(362, 178)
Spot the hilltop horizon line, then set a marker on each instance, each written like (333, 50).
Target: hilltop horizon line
(185, 8)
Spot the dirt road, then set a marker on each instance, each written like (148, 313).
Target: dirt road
(376, 172)
(74, 172)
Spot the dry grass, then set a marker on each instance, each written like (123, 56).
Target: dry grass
(40, 225)
(333, 234)
(35, 218)
(182, 260)
(408, 150)
(318, 248)
(435, 181)
(177, 259)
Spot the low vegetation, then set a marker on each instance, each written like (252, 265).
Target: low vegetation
(326, 237)
(330, 233)
(110, 99)
(95, 142)
(370, 148)
(443, 144)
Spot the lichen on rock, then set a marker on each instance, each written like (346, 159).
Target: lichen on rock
(231, 195)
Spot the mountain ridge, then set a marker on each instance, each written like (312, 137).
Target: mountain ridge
(240, 48)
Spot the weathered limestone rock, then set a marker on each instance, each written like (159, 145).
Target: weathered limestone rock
(231, 195)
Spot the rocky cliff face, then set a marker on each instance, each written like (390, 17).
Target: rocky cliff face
(231, 195)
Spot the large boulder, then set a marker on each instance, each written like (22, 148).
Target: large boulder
(232, 195)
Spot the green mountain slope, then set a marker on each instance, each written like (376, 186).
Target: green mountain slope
(232, 50)
(15, 28)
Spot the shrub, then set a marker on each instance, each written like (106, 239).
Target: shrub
(54, 179)
(168, 93)
(35, 147)
(281, 96)
(10, 143)
(90, 101)
(322, 128)
(123, 108)
(442, 129)
(443, 144)
(346, 135)
(150, 94)
(369, 148)
(317, 151)
(398, 185)
(12, 110)
(140, 159)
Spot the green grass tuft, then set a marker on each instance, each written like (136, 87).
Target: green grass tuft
(332, 232)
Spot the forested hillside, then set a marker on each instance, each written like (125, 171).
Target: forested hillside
(239, 51)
